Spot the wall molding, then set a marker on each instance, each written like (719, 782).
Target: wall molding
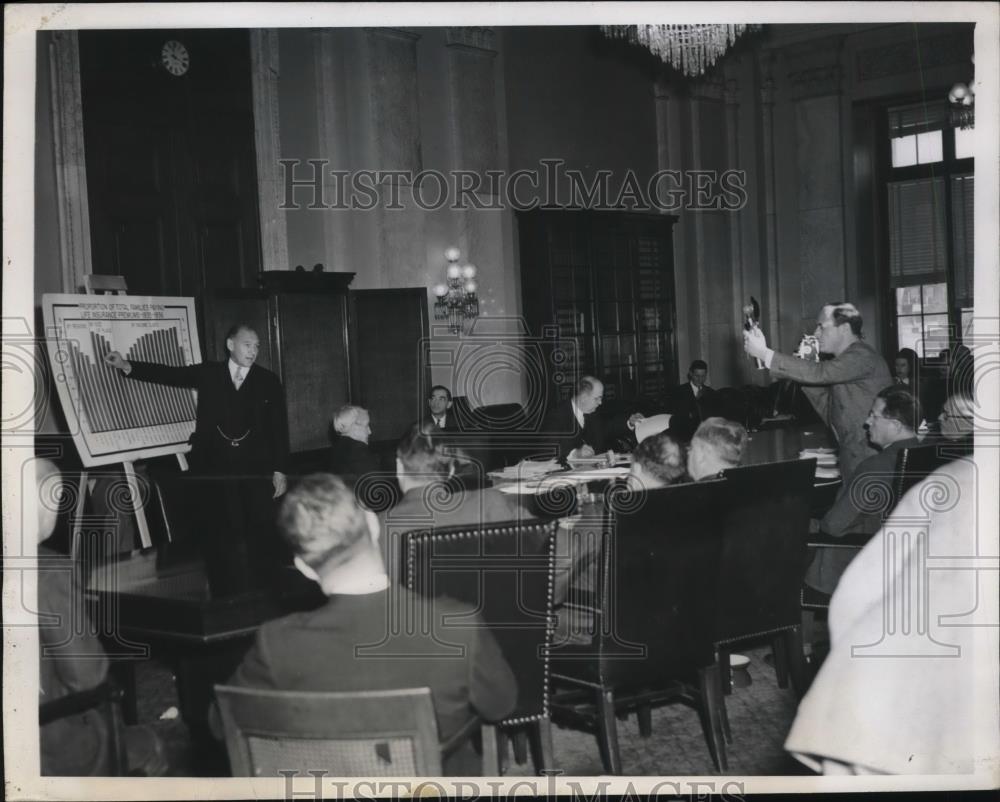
(70, 160)
(909, 56)
(265, 72)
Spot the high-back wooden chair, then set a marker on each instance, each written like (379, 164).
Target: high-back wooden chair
(655, 612)
(365, 733)
(506, 572)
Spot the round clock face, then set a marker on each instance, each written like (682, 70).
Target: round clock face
(175, 58)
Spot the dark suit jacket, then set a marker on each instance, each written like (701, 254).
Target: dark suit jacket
(846, 516)
(351, 460)
(560, 428)
(257, 408)
(691, 410)
(450, 422)
(350, 645)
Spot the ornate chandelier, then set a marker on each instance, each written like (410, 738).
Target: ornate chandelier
(691, 49)
(457, 300)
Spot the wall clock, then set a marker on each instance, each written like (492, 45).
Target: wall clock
(174, 57)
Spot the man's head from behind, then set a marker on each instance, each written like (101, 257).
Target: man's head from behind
(716, 446)
(838, 325)
(589, 394)
(698, 373)
(658, 461)
(421, 459)
(894, 416)
(439, 401)
(353, 422)
(242, 344)
(326, 529)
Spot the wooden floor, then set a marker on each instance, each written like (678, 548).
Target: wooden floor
(760, 715)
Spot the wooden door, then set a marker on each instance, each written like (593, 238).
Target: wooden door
(391, 378)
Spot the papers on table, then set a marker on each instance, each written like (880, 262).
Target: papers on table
(526, 469)
(526, 478)
(647, 427)
(827, 465)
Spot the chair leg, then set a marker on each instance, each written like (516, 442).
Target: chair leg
(491, 750)
(797, 661)
(725, 672)
(607, 732)
(780, 660)
(711, 714)
(519, 740)
(644, 714)
(542, 753)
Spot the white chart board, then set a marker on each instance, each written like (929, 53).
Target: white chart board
(112, 418)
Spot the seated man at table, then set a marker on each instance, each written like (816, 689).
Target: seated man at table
(717, 446)
(658, 461)
(439, 410)
(433, 499)
(355, 643)
(575, 427)
(691, 402)
(350, 455)
(957, 424)
(891, 427)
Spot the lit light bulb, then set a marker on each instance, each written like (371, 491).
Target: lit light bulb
(440, 290)
(454, 271)
(452, 254)
(469, 271)
(470, 286)
(958, 93)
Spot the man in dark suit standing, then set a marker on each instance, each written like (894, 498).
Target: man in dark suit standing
(439, 412)
(691, 401)
(240, 449)
(359, 640)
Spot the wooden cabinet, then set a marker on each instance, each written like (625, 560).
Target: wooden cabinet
(603, 284)
(302, 320)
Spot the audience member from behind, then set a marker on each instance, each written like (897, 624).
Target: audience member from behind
(891, 427)
(910, 684)
(356, 642)
(717, 446)
(433, 499)
(350, 455)
(658, 461)
(72, 659)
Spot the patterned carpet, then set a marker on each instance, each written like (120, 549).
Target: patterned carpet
(760, 716)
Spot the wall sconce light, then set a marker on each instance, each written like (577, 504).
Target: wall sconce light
(457, 301)
(962, 104)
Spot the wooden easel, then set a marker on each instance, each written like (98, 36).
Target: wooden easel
(115, 285)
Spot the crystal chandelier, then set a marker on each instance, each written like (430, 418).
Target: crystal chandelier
(457, 301)
(691, 49)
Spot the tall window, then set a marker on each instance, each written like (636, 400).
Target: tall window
(929, 195)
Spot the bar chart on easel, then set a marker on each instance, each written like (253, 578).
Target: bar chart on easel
(117, 418)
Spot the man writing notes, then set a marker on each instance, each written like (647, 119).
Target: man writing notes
(241, 433)
(575, 426)
(840, 389)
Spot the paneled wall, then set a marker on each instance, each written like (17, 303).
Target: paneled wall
(783, 108)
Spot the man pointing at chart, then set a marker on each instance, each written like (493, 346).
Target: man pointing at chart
(240, 439)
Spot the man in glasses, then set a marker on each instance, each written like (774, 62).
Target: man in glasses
(890, 427)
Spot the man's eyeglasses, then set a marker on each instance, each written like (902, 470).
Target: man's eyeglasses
(945, 415)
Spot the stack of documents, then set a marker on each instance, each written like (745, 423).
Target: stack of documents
(827, 466)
